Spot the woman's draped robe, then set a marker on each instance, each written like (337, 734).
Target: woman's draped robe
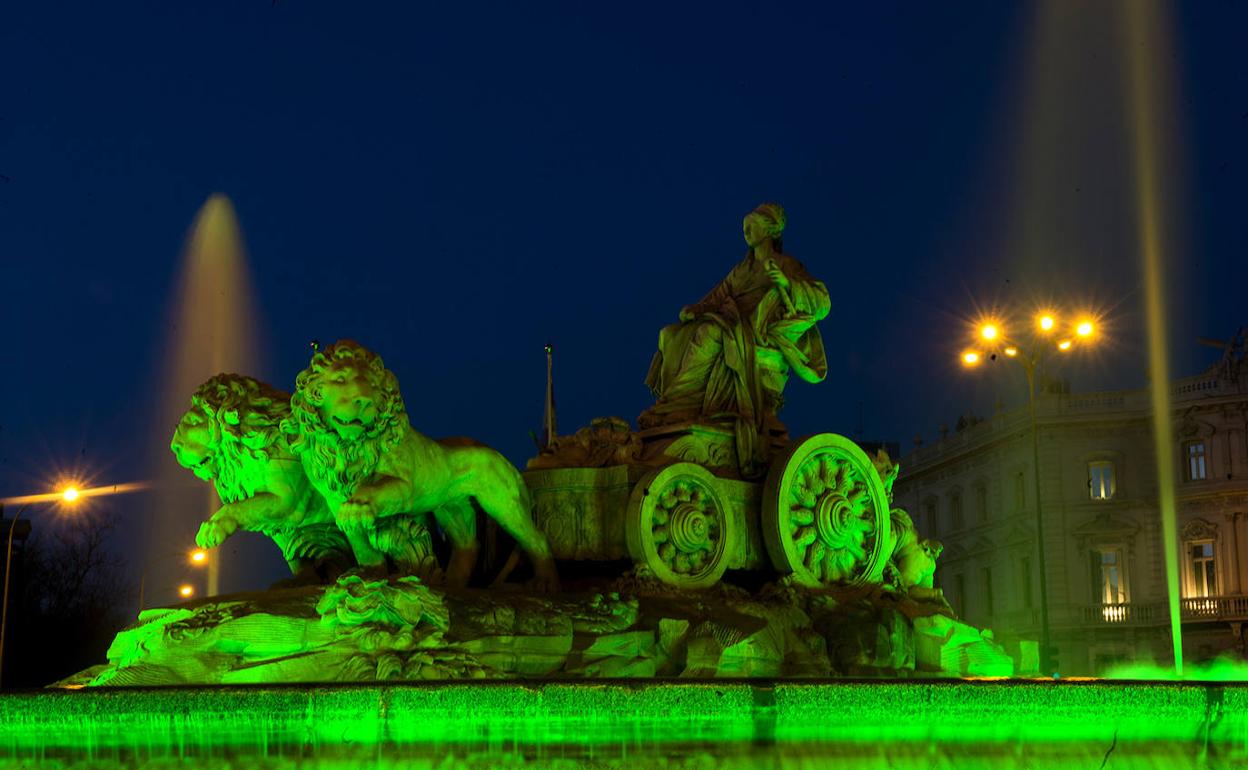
(731, 360)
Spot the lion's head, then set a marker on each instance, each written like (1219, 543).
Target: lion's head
(229, 433)
(346, 412)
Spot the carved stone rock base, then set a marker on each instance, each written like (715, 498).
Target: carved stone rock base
(402, 629)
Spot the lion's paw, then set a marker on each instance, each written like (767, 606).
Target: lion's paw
(212, 533)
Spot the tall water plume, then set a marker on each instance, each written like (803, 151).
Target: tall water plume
(213, 329)
(1095, 181)
(1149, 92)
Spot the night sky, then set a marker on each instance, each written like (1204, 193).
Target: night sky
(456, 184)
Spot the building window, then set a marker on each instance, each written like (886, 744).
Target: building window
(986, 575)
(1195, 453)
(929, 510)
(1020, 491)
(955, 511)
(1108, 581)
(981, 503)
(1101, 484)
(1201, 567)
(1024, 580)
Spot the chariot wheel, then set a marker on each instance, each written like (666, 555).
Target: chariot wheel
(678, 526)
(826, 513)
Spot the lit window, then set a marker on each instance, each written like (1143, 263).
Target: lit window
(1204, 573)
(1109, 583)
(955, 511)
(981, 502)
(1101, 480)
(1195, 452)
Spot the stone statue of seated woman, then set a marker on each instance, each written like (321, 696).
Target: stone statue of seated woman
(729, 357)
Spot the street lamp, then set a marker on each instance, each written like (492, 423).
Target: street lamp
(68, 495)
(1029, 351)
(196, 558)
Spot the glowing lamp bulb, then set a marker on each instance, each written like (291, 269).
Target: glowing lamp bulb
(199, 556)
(1047, 323)
(1063, 345)
(186, 590)
(1084, 329)
(70, 494)
(989, 331)
(970, 358)
(1011, 351)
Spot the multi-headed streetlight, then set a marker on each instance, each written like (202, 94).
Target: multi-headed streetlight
(1030, 351)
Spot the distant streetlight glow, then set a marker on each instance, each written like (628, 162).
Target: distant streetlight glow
(1084, 329)
(70, 494)
(197, 557)
(970, 358)
(1046, 322)
(1064, 345)
(989, 331)
(1011, 351)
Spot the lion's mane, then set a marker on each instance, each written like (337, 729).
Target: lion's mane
(244, 418)
(328, 459)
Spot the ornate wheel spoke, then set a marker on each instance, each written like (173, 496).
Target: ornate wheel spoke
(805, 536)
(802, 517)
(815, 555)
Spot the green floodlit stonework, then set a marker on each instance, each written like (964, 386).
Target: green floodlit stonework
(613, 724)
(706, 546)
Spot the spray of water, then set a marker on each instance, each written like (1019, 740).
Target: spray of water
(213, 329)
(1147, 68)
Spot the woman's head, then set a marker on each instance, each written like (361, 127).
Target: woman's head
(766, 222)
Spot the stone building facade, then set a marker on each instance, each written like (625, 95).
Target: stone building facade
(1105, 568)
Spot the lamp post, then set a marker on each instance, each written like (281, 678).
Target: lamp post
(992, 343)
(69, 495)
(196, 558)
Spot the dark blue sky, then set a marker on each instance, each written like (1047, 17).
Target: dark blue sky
(454, 184)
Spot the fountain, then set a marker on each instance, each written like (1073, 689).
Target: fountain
(212, 330)
(1148, 80)
(703, 591)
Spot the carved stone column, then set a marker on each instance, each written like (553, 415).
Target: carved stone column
(1238, 567)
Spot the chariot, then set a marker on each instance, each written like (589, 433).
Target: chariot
(671, 501)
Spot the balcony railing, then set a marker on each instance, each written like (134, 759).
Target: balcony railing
(1192, 608)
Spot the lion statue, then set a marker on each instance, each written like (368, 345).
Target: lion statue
(231, 436)
(349, 426)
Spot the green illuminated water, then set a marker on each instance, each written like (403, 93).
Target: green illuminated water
(736, 724)
(1223, 669)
